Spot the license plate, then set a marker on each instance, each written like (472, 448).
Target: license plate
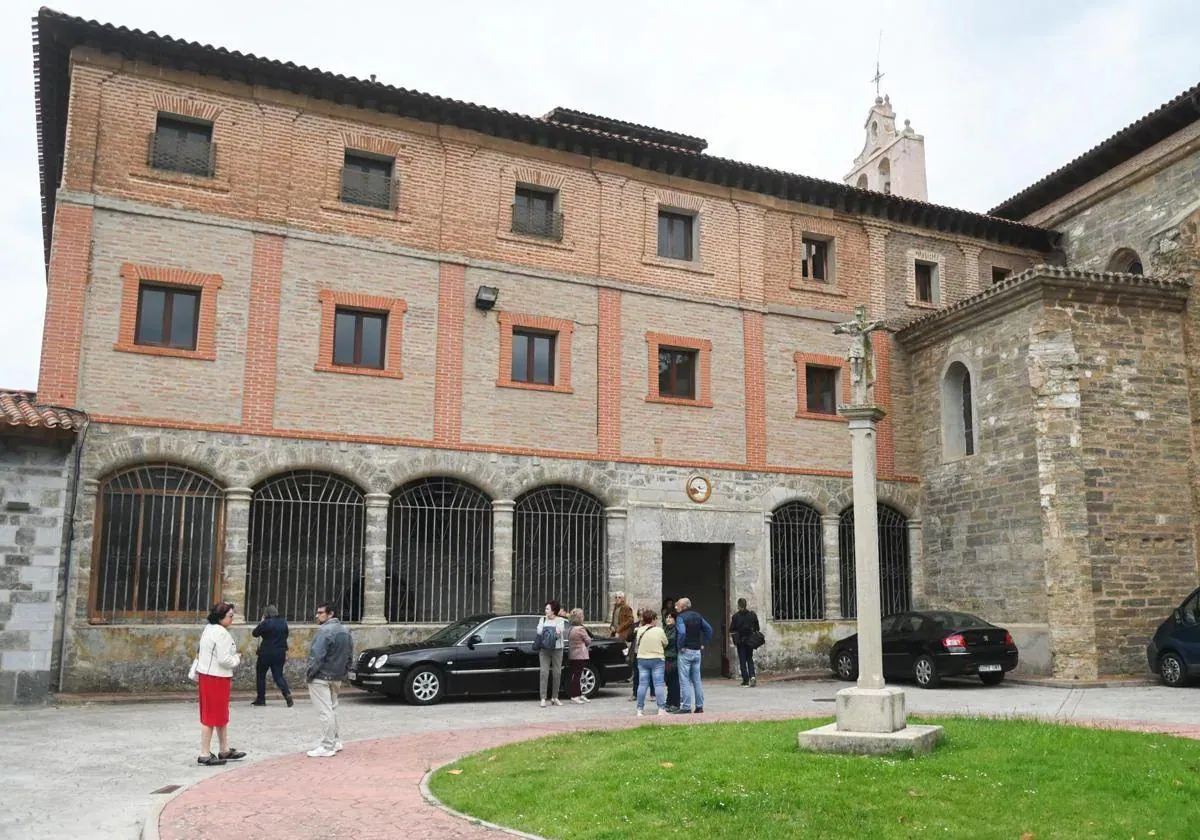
(353, 676)
(983, 669)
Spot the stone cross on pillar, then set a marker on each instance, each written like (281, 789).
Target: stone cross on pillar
(861, 355)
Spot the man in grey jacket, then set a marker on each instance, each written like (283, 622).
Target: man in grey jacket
(329, 658)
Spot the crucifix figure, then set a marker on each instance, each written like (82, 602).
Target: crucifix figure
(861, 355)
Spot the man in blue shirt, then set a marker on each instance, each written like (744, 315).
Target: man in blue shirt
(693, 634)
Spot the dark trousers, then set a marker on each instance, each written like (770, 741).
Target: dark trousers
(746, 661)
(672, 684)
(275, 666)
(573, 689)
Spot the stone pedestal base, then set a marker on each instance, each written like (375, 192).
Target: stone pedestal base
(870, 709)
(917, 740)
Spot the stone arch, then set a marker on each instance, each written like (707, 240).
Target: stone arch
(885, 175)
(862, 182)
(900, 497)
(1126, 261)
(138, 450)
(347, 465)
(559, 548)
(960, 423)
(805, 491)
(474, 471)
(582, 475)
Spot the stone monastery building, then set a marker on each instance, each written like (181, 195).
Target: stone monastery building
(331, 339)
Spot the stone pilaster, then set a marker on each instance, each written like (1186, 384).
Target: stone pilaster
(375, 572)
(916, 563)
(237, 546)
(974, 282)
(616, 520)
(831, 553)
(78, 585)
(502, 554)
(767, 590)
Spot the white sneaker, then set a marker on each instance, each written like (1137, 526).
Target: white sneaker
(641, 713)
(543, 704)
(585, 698)
(556, 702)
(578, 700)
(662, 712)
(338, 746)
(321, 752)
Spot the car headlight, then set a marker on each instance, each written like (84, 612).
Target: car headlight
(378, 661)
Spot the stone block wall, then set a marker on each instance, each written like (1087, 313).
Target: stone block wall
(34, 484)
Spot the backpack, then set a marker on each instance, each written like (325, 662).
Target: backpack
(547, 639)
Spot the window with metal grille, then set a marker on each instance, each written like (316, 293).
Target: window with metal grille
(820, 389)
(439, 565)
(797, 564)
(559, 550)
(675, 235)
(814, 260)
(895, 581)
(926, 276)
(367, 180)
(958, 414)
(306, 546)
(180, 144)
(677, 373)
(533, 357)
(157, 551)
(533, 213)
(359, 338)
(168, 316)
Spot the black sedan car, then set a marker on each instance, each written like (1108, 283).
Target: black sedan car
(480, 654)
(1174, 652)
(926, 646)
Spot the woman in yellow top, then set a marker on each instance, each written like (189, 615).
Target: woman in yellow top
(651, 645)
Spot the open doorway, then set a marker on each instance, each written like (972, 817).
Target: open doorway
(701, 572)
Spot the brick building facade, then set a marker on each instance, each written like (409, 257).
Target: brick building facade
(390, 315)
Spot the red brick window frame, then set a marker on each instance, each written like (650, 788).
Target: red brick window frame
(703, 347)
(803, 362)
(393, 308)
(133, 276)
(562, 330)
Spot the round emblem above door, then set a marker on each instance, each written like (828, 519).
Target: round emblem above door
(699, 488)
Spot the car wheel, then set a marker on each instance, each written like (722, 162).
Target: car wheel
(589, 683)
(1171, 669)
(992, 678)
(424, 686)
(845, 666)
(925, 672)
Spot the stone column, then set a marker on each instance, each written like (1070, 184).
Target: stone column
(866, 542)
(77, 586)
(768, 583)
(616, 520)
(237, 544)
(916, 564)
(831, 551)
(502, 554)
(375, 572)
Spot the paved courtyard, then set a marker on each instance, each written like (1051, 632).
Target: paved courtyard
(90, 771)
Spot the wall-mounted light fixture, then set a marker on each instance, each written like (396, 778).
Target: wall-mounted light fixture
(486, 297)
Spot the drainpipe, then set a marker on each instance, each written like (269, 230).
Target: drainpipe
(69, 540)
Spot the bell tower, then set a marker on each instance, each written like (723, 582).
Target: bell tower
(891, 161)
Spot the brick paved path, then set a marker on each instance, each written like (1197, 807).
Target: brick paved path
(371, 791)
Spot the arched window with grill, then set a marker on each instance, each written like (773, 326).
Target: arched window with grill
(958, 413)
(559, 550)
(157, 546)
(895, 580)
(306, 546)
(797, 563)
(439, 565)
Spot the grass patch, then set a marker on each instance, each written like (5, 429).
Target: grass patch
(1011, 779)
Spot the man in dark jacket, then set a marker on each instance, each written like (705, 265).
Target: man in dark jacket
(272, 654)
(743, 626)
(692, 634)
(329, 660)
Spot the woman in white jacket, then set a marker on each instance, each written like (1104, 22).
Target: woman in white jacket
(217, 658)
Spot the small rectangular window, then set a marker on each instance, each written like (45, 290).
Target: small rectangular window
(533, 357)
(814, 259)
(534, 215)
(820, 388)
(182, 145)
(675, 235)
(359, 338)
(367, 180)
(677, 373)
(1000, 274)
(167, 317)
(925, 273)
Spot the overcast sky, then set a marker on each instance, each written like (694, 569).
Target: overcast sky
(1004, 91)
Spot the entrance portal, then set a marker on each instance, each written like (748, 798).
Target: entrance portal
(701, 572)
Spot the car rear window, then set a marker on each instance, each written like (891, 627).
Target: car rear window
(957, 621)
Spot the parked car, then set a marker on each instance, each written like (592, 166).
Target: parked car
(1174, 652)
(477, 655)
(928, 645)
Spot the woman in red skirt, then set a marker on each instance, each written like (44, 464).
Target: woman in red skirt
(216, 660)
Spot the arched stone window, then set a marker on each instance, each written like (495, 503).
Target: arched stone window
(885, 175)
(958, 413)
(306, 546)
(895, 577)
(874, 128)
(439, 565)
(797, 563)
(559, 550)
(1125, 260)
(862, 181)
(157, 548)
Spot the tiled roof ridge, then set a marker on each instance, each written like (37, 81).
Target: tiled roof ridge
(569, 116)
(1045, 270)
(1112, 143)
(20, 408)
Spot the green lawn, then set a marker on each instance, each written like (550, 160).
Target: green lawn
(1009, 779)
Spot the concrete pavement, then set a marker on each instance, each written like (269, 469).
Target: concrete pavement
(90, 771)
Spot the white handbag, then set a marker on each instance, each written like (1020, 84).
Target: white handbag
(194, 671)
